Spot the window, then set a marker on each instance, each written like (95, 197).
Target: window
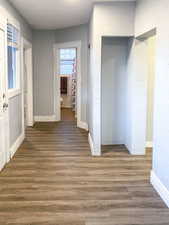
(67, 61)
(13, 57)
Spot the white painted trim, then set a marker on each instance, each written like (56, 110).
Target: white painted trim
(22, 86)
(75, 44)
(149, 144)
(16, 145)
(83, 125)
(113, 143)
(2, 161)
(57, 94)
(29, 63)
(160, 188)
(134, 152)
(14, 92)
(45, 118)
(93, 150)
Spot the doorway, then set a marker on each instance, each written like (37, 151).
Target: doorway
(128, 73)
(67, 90)
(27, 97)
(68, 83)
(113, 94)
(143, 71)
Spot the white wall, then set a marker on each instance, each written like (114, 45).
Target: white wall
(151, 47)
(150, 14)
(114, 60)
(108, 19)
(136, 113)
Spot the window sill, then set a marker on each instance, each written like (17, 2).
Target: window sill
(13, 93)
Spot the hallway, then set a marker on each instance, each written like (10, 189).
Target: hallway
(53, 180)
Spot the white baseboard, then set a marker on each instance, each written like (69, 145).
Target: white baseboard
(113, 143)
(31, 124)
(2, 161)
(16, 145)
(82, 125)
(93, 150)
(149, 144)
(137, 153)
(45, 118)
(160, 188)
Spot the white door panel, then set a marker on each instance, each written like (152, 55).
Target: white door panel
(4, 124)
(2, 145)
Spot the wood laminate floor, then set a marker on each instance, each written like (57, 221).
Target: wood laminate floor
(67, 114)
(53, 180)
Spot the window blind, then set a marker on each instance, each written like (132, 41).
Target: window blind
(12, 36)
(13, 39)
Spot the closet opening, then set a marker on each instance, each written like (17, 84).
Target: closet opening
(127, 96)
(113, 94)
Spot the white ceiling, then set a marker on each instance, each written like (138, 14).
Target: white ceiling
(55, 14)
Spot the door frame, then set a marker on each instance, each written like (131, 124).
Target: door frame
(57, 104)
(27, 45)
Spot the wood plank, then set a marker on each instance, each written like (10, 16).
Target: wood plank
(53, 180)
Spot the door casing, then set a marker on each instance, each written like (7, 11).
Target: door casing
(57, 104)
(26, 52)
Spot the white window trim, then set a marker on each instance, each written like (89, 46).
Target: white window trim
(13, 92)
(16, 91)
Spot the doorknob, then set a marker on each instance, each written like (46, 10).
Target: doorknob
(5, 106)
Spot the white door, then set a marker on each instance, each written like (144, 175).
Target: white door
(4, 123)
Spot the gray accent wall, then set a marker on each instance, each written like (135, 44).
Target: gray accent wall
(43, 56)
(43, 69)
(78, 33)
(15, 104)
